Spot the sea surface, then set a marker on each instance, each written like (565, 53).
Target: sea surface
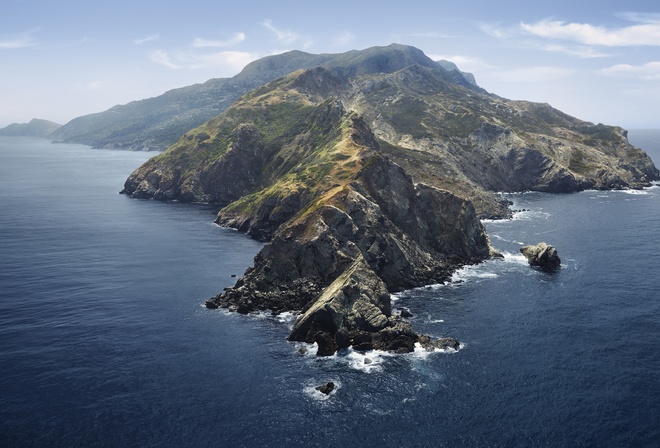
(104, 340)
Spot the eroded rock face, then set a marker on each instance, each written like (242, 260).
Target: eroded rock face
(355, 310)
(339, 263)
(542, 255)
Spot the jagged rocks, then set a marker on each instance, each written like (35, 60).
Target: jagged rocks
(354, 310)
(438, 344)
(542, 255)
(326, 344)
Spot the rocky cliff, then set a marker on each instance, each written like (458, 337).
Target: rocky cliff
(366, 233)
(364, 183)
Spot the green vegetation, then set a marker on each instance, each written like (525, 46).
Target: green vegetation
(579, 162)
(598, 133)
(406, 114)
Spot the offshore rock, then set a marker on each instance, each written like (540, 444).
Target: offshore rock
(439, 344)
(326, 388)
(542, 255)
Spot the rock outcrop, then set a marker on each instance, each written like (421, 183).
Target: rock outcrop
(542, 255)
(326, 388)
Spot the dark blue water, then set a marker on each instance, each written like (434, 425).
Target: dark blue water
(104, 342)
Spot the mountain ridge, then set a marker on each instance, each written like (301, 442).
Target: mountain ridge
(156, 123)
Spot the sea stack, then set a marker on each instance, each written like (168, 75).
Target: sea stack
(543, 256)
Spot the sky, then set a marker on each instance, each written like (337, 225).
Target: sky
(60, 59)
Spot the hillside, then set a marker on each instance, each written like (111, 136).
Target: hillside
(35, 128)
(366, 182)
(156, 123)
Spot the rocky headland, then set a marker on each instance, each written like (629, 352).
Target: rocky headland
(371, 177)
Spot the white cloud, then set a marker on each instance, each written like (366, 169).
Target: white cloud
(162, 58)
(343, 39)
(90, 86)
(144, 40)
(233, 61)
(22, 40)
(579, 51)
(646, 72)
(494, 30)
(587, 34)
(204, 43)
(286, 37)
(641, 17)
(534, 74)
(464, 63)
(433, 35)
(230, 61)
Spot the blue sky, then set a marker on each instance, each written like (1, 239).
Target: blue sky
(599, 61)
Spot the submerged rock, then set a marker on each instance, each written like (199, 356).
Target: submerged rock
(542, 255)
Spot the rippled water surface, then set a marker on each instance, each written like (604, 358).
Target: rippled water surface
(104, 340)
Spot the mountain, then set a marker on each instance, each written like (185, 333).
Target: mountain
(156, 123)
(370, 177)
(35, 128)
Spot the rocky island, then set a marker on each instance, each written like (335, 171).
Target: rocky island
(369, 175)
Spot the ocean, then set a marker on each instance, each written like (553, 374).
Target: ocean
(104, 340)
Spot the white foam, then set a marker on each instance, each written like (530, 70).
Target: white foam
(633, 192)
(287, 317)
(307, 349)
(310, 389)
(515, 258)
(529, 215)
(501, 238)
(423, 353)
(466, 273)
(368, 362)
(436, 321)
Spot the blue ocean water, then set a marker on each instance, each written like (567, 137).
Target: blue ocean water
(104, 340)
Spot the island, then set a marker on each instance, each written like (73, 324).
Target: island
(370, 175)
(35, 128)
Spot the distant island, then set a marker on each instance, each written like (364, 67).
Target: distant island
(368, 174)
(35, 128)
